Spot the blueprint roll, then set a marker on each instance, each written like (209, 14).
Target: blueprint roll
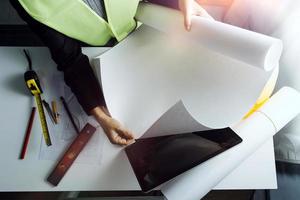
(246, 46)
(255, 130)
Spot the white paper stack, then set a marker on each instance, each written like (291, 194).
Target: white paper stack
(164, 80)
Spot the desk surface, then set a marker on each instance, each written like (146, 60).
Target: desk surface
(114, 173)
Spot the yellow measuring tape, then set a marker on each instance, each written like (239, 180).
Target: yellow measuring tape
(33, 84)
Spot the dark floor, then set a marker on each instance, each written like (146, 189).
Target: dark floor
(213, 195)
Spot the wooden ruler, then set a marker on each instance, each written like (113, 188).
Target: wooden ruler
(71, 154)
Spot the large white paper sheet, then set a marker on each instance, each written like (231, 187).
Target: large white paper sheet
(255, 130)
(149, 72)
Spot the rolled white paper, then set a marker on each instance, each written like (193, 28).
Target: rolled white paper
(252, 48)
(255, 130)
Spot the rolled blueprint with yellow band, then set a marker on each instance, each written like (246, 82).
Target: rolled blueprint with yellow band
(255, 130)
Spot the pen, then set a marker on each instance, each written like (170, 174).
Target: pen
(69, 114)
(27, 134)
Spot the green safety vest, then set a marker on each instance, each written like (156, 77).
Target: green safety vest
(77, 20)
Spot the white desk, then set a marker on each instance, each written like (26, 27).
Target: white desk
(257, 172)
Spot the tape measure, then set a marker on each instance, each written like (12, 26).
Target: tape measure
(34, 87)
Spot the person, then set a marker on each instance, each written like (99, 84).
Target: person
(78, 74)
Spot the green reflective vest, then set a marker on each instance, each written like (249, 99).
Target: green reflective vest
(77, 20)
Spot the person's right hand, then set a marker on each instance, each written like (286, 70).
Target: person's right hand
(190, 8)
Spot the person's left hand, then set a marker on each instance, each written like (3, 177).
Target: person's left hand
(114, 130)
(190, 8)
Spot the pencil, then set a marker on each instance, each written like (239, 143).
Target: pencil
(27, 134)
(54, 110)
(69, 114)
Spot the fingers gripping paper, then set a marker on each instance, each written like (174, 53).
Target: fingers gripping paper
(216, 71)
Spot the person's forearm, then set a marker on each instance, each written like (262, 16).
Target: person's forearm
(80, 77)
(99, 113)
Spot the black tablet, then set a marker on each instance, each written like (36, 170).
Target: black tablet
(159, 159)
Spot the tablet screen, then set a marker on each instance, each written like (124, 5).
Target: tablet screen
(159, 159)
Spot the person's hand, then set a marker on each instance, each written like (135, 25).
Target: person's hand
(191, 8)
(116, 133)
